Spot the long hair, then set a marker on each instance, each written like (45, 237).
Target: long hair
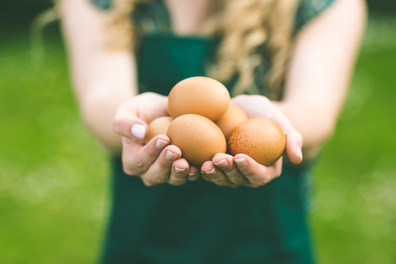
(250, 32)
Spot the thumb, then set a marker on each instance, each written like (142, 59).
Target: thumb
(128, 125)
(294, 139)
(293, 147)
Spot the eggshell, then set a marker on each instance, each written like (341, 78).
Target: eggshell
(261, 139)
(158, 126)
(198, 138)
(233, 117)
(199, 95)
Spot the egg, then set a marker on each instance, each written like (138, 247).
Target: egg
(198, 138)
(261, 139)
(199, 95)
(158, 126)
(233, 117)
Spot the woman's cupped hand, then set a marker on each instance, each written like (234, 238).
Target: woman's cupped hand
(227, 170)
(156, 162)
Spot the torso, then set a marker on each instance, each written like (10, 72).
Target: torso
(200, 222)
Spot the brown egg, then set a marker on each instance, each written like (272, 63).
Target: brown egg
(158, 126)
(261, 139)
(198, 138)
(233, 117)
(199, 95)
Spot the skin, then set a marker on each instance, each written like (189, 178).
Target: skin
(106, 89)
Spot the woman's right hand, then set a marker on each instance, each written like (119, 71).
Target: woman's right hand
(157, 161)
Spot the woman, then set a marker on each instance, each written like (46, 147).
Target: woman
(299, 54)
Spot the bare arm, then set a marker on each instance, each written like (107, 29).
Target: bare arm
(320, 72)
(103, 79)
(316, 86)
(106, 88)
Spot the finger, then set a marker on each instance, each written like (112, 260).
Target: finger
(256, 173)
(160, 170)
(226, 164)
(193, 173)
(293, 147)
(294, 140)
(137, 158)
(128, 125)
(205, 177)
(278, 167)
(216, 175)
(179, 172)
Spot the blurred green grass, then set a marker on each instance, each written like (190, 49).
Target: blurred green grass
(354, 215)
(54, 176)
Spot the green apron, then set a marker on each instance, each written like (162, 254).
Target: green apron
(201, 222)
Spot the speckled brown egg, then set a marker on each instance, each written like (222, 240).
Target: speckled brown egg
(261, 139)
(233, 117)
(199, 95)
(158, 126)
(198, 138)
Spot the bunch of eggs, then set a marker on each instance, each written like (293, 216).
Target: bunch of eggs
(202, 123)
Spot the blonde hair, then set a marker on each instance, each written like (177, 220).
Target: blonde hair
(250, 31)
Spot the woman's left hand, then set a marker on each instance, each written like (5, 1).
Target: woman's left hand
(226, 170)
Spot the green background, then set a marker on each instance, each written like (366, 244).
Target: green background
(54, 175)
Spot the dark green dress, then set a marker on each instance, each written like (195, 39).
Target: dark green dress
(201, 222)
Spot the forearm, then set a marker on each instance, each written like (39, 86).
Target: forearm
(99, 99)
(320, 70)
(102, 78)
(98, 113)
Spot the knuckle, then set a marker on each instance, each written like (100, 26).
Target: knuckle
(164, 163)
(153, 177)
(152, 152)
(236, 179)
(179, 176)
(216, 176)
(141, 165)
(249, 173)
(176, 182)
(227, 169)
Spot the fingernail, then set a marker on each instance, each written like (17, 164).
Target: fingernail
(222, 163)
(213, 171)
(160, 143)
(241, 163)
(299, 152)
(138, 131)
(191, 174)
(180, 171)
(170, 156)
